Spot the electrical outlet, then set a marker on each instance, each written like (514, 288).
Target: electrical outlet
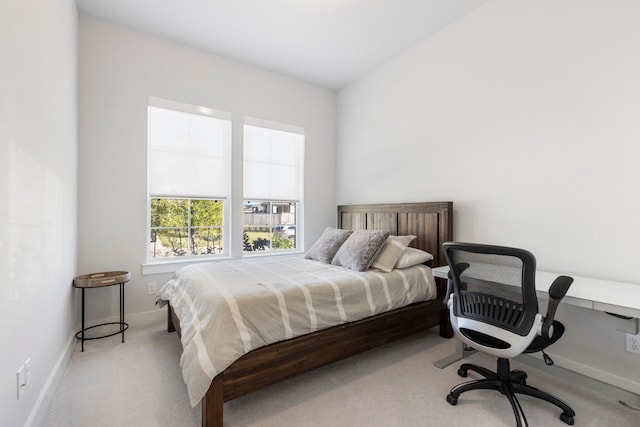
(633, 343)
(152, 288)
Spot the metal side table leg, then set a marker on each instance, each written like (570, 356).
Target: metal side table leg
(122, 310)
(82, 330)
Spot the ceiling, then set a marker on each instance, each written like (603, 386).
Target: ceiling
(325, 42)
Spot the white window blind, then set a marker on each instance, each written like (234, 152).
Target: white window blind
(188, 154)
(273, 162)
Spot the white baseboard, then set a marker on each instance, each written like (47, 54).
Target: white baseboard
(39, 410)
(607, 383)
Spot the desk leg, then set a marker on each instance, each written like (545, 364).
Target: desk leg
(82, 333)
(460, 353)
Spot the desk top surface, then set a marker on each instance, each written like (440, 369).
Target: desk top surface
(604, 295)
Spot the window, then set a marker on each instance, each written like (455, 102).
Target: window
(269, 226)
(273, 182)
(189, 151)
(190, 199)
(185, 227)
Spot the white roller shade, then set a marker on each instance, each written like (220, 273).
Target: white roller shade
(273, 162)
(188, 154)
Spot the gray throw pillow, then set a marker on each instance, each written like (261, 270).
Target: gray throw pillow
(325, 248)
(360, 249)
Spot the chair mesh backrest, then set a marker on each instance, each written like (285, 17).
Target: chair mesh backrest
(493, 284)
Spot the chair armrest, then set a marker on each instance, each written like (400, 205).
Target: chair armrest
(557, 291)
(560, 286)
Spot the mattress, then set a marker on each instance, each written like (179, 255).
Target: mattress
(228, 308)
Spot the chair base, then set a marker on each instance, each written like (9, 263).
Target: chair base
(508, 383)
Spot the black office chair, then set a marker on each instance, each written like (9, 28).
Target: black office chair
(494, 309)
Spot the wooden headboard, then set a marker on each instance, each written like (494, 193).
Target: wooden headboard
(431, 222)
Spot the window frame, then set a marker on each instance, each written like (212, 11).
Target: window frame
(299, 202)
(225, 199)
(232, 244)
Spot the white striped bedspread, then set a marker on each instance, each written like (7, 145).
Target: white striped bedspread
(229, 308)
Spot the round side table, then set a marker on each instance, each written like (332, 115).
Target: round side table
(99, 280)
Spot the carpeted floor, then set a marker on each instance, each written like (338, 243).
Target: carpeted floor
(139, 383)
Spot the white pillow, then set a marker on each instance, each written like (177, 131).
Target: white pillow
(411, 257)
(391, 251)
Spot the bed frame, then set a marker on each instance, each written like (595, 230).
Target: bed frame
(432, 224)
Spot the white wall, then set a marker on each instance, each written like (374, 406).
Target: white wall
(38, 191)
(526, 116)
(119, 70)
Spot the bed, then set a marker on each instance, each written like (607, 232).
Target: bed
(265, 364)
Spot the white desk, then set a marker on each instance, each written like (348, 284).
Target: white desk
(618, 298)
(602, 295)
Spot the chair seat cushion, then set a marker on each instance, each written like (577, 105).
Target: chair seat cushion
(540, 342)
(484, 339)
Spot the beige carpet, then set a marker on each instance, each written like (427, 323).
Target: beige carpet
(139, 383)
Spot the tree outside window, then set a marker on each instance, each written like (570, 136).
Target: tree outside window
(185, 227)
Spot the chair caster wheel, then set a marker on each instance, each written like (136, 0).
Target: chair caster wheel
(519, 376)
(563, 417)
(453, 401)
(462, 373)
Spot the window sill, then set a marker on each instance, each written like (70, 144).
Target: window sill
(259, 254)
(172, 266)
